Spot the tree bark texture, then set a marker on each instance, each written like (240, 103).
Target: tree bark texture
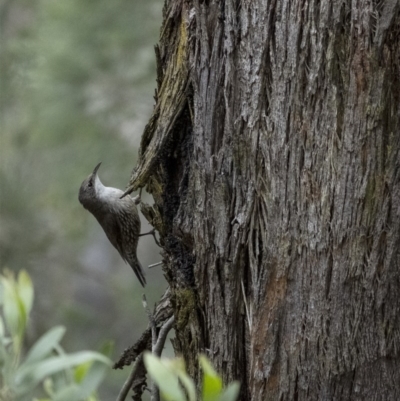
(273, 156)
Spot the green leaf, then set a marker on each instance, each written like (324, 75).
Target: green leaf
(231, 393)
(91, 381)
(107, 348)
(178, 367)
(164, 377)
(25, 290)
(11, 310)
(212, 383)
(81, 371)
(70, 392)
(45, 345)
(48, 386)
(89, 375)
(29, 376)
(187, 382)
(2, 329)
(206, 366)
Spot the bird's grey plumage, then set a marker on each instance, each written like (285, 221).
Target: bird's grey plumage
(118, 217)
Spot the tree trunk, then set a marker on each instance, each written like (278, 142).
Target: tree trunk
(273, 156)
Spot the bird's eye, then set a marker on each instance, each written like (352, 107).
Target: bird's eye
(90, 184)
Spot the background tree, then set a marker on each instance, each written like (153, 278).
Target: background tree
(273, 158)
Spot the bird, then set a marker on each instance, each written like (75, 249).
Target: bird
(118, 217)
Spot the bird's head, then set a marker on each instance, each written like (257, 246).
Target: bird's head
(89, 189)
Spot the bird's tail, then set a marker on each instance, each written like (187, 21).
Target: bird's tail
(138, 269)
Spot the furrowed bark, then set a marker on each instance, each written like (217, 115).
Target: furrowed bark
(273, 156)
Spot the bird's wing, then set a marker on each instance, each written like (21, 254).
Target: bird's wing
(113, 231)
(119, 234)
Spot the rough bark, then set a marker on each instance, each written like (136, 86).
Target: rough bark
(273, 155)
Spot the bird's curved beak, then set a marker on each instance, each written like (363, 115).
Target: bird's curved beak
(96, 168)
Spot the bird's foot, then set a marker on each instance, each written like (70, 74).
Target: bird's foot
(153, 233)
(138, 198)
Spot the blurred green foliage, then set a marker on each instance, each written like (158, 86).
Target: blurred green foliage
(64, 377)
(76, 86)
(176, 385)
(76, 79)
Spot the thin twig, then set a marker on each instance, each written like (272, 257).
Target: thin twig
(162, 336)
(157, 349)
(157, 341)
(129, 381)
(155, 393)
(155, 264)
